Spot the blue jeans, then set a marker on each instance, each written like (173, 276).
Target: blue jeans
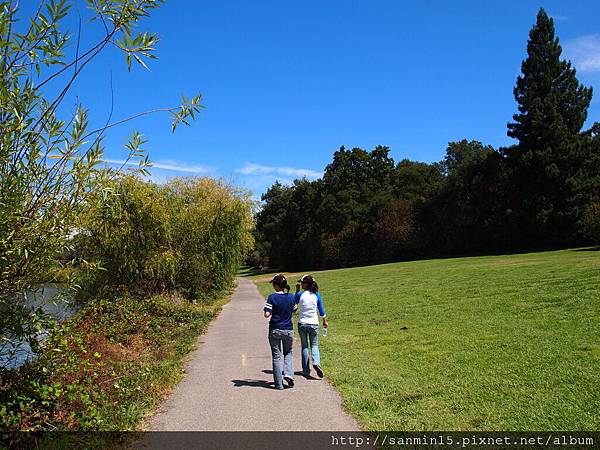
(309, 333)
(282, 347)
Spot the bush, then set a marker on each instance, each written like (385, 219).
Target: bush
(104, 368)
(190, 235)
(212, 233)
(257, 260)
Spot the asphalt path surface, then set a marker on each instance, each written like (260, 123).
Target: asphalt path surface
(228, 384)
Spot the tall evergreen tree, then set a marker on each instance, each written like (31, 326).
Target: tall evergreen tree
(548, 160)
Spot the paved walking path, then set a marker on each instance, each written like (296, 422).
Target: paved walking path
(228, 384)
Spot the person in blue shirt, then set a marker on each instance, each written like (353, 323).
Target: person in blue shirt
(279, 308)
(311, 307)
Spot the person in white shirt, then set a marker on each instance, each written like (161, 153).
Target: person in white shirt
(311, 307)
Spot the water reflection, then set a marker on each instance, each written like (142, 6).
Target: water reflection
(55, 301)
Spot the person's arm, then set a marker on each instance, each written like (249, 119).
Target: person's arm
(268, 309)
(321, 309)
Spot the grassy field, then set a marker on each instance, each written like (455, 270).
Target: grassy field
(482, 343)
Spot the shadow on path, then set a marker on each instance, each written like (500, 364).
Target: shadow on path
(297, 373)
(254, 383)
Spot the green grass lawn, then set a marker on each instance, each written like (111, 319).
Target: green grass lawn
(491, 343)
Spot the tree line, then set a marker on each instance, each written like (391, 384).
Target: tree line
(542, 192)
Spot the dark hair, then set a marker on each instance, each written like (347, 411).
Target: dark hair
(280, 281)
(311, 282)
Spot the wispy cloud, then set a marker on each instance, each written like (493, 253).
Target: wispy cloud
(258, 169)
(167, 165)
(558, 17)
(584, 51)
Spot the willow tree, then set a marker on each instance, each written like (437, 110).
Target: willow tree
(49, 165)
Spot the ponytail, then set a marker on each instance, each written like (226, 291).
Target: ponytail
(280, 281)
(310, 282)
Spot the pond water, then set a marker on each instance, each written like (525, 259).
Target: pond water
(54, 301)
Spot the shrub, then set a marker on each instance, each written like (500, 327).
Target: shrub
(190, 235)
(105, 367)
(212, 233)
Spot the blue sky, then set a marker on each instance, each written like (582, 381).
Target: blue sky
(287, 83)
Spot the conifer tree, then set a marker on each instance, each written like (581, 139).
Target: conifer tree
(548, 159)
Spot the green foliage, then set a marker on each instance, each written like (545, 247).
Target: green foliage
(546, 166)
(465, 212)
(106, 367)
(287, 232)
(591, 222)
(357, 186)
(491, 343)
(52, 167)
(212, 226)
(128, 236)
(551, 100)
(415, 181)
(329, 222)
(190, 235)
(367, 209)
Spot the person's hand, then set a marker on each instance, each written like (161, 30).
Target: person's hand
(325, 324)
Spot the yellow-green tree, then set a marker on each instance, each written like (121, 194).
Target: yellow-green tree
(189, 235)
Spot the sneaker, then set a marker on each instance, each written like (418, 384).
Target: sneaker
(319, 370)
(290, 381)
(279, 388)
